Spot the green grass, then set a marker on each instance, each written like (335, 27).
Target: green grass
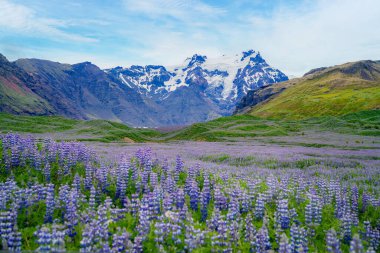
(22, 100)
(247, 126)
(93, 130)
(229, 128)
(232, 128)
(330, 94)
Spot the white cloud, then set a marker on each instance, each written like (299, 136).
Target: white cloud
(323, 34)
(292, 38)
(185, 10)
(20, 18)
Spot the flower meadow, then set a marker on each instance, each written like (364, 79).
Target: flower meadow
(61, 197)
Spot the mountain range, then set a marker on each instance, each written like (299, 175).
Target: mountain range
(198, 90)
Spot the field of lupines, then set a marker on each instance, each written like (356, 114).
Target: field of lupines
(60, 196)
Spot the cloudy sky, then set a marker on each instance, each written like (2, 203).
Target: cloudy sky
(292, 35)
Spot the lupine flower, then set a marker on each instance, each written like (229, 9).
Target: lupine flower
(356, 245)
(50, 203)
(44, 239)
(284, 245)
(332, 242)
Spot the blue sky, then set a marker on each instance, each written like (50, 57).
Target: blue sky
(292, 35)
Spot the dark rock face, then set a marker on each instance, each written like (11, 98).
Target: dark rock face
(313, 71)
(86, 92)
(363, 69)
(255, 97)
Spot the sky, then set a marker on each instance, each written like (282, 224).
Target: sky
(292, 35)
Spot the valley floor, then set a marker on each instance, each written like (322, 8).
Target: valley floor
(311, 148)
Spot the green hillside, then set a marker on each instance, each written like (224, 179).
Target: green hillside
(93, 130)
(231, 128)
(248, 126)
(339, 90)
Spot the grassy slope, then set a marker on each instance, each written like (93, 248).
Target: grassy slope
(93, 130)
(21, 101)
(360, 123)
(222, 129)
(238, 126)
(331, 94)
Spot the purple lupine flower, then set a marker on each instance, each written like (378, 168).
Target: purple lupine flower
(260, 207)
(234, 229)
(89, 176)
(58, 239)
(50, 203)
(121, 188)
(282, 214)
(135, 203)
(284, 246)
(168, 202)
(356, 245)
(160, 232)
(137, 246)
(47, 172)
(86, 244)
(261, 242)
(250, 230)
(298, 239)
(219, 199)
(194, 195)
(44, 239)
(212, 223)
(144, 218)
(313, 212)
(346, 228)
(204, 206)
(245, 203)
(14, 241)
(6, 225)
(332, 242)
(92, 197)
(102, 223)
(372, 235)
(194, 238)
(233, 207)
(223, 234)
(71, 216)
(179, 165)
(121, 242)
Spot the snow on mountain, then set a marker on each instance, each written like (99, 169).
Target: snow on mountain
(224, 80)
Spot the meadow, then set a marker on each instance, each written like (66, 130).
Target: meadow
(305, 193)
(231, 128)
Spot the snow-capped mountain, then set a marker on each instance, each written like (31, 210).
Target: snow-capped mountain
(197, 90)
(223, 80)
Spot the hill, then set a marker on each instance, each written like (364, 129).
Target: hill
(338, 90)
(240, 127)
(16, 95)
(63, 128)
(231, 128)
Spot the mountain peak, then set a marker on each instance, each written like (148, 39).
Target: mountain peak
(257, 58)
(3, 58)
(248, 53)
(197, 60)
